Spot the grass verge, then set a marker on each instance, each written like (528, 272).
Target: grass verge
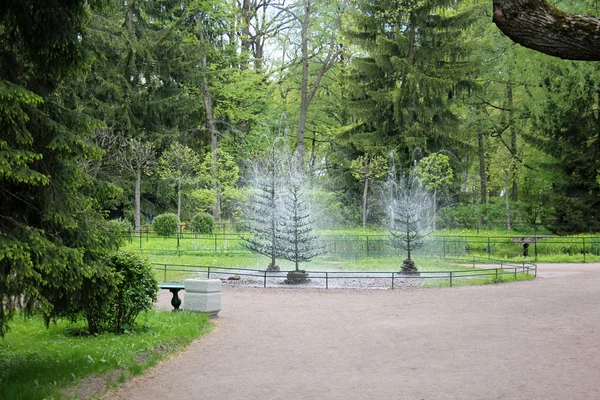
(473, 281)
(47, 363)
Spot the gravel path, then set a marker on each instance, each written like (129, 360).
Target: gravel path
(525, 340)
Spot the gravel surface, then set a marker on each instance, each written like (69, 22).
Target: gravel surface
(524, 340)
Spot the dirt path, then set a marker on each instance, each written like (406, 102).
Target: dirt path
(527, 340)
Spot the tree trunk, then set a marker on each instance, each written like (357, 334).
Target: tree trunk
(138, 198)
(246, 15)
(408, 244)
(210, 122)
(130, 9)
(179, 199)
(514, 192)
(304, 84)
(506, 202)
(482, 173)
(538, 25)
(411, 38)
(434, 208)
(364, 207)
(482, 176)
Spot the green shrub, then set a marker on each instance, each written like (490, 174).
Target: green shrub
(203, 223)
(111, 296)
(135, 291)
(118, 228)
(165, 224)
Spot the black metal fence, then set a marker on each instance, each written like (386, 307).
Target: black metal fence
(343, 279)
(372, 245)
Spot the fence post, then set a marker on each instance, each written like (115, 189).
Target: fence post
(450, 278)
(215, 242)
(326, 280)
(444, 248)
(367, 244)
(147, 234)
(265, 280)
(393, 273)
(208, 273)
(165, 278)
(496, 273)
(515, 273)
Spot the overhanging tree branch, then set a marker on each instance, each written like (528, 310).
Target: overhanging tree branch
(538, 25)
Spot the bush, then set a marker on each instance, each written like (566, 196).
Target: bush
(165, 224)
(118, 228)
(111, 296)
(203, 223)
(135, 291)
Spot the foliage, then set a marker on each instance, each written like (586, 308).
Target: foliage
(178, 164)
(38, 362)
(265, 208)
(51, 221)
(435, 171)
(166, 224)
(411, 213)
(135, 291)
(219, 173)
(119, 227)
(298, 243)
(203, 223)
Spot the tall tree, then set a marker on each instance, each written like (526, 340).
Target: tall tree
(51, 225)
(366, 169)
(412, 66)
(178, 164)
(138, 158)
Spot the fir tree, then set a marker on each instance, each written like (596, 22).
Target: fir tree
(265, 207)
(298, 243)
(52, 232)
(411, 214)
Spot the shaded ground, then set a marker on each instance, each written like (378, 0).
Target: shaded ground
(525, 340)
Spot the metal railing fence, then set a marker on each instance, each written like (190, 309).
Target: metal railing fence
(260, 277)
(377, 245)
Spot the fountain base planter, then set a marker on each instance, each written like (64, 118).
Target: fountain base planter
(295, 277)
(409, 268)
(273, 268)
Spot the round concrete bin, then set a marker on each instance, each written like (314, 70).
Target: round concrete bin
(203, 295)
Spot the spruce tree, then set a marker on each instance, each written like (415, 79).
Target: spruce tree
(412, 66)
(52, 232)
(298, 243)
(265, 207)
(411, 214)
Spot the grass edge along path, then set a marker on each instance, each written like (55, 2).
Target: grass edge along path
(48, 363)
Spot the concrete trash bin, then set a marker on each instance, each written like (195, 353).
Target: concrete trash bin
(203, 295)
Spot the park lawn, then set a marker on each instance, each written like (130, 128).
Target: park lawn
(228, 251)
(47, 363)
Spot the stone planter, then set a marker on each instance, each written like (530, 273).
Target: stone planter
(203, 295)
(295, 277)
(409, 268)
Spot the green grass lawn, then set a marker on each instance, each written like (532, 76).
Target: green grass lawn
(473, 281)
(350, 244)
(45, 363)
